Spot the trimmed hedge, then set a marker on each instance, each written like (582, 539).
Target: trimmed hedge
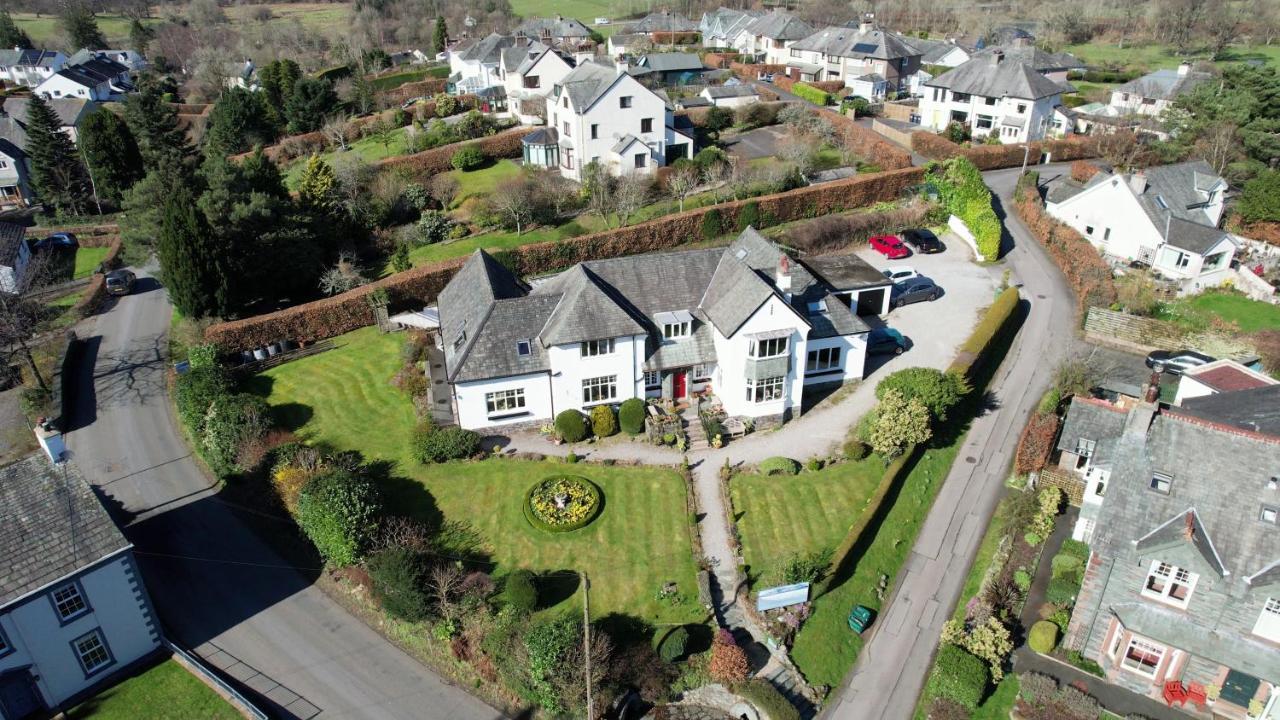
(993, 322)
(766, 698)
(993, 157)
(818, 97)
(349, 311)
(779, 466)
(868, 143)
(844, 557)
(571, 426)
(596, 507)
(674, 644)
(519, 592)
(1036, 444)
(966, 196)
(436, 444)
(631, 416)
(603, 421)
(1085, 270)
(958, 675)
(419, 88)
(1043, 637)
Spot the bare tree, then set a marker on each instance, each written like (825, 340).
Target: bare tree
(20, 313)
(599, 186)
(445, 584)
(514, 198)
(1219, 145)
(1131, 13)
(443, 188)
(1221, 28)
(335, 130)
(800, 151)
(1120, 148)
(632, 193)
(684, 179)
(570, 684)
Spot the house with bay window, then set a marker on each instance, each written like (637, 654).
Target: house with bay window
(849, 53)
(74, 614)
(1181, 512)
(1000, 95)
(748, 323)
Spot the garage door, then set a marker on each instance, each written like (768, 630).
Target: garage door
(871, 302)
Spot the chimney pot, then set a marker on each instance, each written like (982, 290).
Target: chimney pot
(1184, 68)
(997, 57)
(1152, 393)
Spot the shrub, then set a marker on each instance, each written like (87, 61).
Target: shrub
(519, 592)
(728, 661)
(967, 197)
(749, 216)
(1036, 689)
(855, 449)
(1050, 401)
(1022, 579)
(571, 458)
(672, 647)
(631, 416)
(603, 422)
(813, 464)
(288, 482)
(467, 158)
(939, 391)
(339, 512)
(812, 94)
(1075, 549)
(1043, 637)
(958, 675)
(712, 224)
(1093, 668)
(203, 356)
(194, 391)
(806, 567)
(231, 423)
(1078, 703)
(432, 227)
(399, 583)
(570, 426)
(1064, 564)
(1063, 589)
(1062, 618)
(766, 698)
(1032, 538)
(779, 466)
(433, 444)
(947, 709)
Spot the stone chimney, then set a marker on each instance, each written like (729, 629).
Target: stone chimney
(997, 57)
(1151, 393)
(782, 278)
(1184, 68)
(1138, 182)
(1021, 41)
(868, 23)
(620, 64)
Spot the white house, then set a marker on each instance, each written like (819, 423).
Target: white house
(1217, 377)
(945, 53)
(769, 37)
(719, 27)
(97, 79)
(995, 94)
(746, 322)
(600, 113)
(74, 613)
(474, 66)
(529, 72)
(846, 53)
(29, 68)
(730, 95)
(1165, 217)
(1154, 92)
(15, 187)
(627, 44)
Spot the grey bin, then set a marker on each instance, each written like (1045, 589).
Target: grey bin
(273, 349)
(246, 356)
(259, 354)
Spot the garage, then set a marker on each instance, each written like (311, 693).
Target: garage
(871, 302)
(861, 286)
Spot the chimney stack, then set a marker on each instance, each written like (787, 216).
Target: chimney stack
(620, 64)
(782, 278)
(1152, 391)
(1183, 69)
(868, 23)
(997, 56)
(1138, 182)
(1020, 41)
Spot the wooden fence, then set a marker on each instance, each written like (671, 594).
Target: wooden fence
(1071, 485)
(1110, 327)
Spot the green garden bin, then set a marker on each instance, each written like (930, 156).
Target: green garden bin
(859, 618)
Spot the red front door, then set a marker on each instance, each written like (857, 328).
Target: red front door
(679, 384)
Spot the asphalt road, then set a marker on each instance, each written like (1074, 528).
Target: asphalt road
(892, 668)
(217, 587)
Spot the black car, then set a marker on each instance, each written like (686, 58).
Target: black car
(57, 241)
(120, 282)
(1176, 362)
(922, 241)
(918, 289)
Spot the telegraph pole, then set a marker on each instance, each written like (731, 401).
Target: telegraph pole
(586, 638)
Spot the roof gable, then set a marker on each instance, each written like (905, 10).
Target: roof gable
(988, 77)
(586, 311)
(1185, 528)
(466, 301)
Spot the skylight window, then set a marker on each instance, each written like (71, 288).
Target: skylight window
(523, 348)
(1160, 201)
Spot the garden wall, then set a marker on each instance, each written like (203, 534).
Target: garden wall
(422, 165)
(398, 95)
(992, 157)
(350, 311)
(752, 71)
(87, 235)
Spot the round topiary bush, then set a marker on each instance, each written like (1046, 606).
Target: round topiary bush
(1043, 636)
(779, 466)
(631, 416)
(519, 591)
(603, 423)
(562, 503)
(467, 158)
(673, 646)
(570, 426)
(856, 450)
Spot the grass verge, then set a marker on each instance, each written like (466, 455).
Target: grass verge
(87, 260)
(164, 691)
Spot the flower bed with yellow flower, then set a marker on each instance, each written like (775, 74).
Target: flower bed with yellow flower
(562, 503)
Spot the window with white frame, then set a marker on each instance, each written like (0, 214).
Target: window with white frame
(673, 330)
(599, 389)
(766, 390)
(592, 348)
(91, 650)
(1161, 483)
(768, 348)
(1169, 583)
(823, 359)
(701, 372)
(505, 401)
(652, 379)
(1270, 514)
(1143, 657)
(1268, 625)
(69, 602)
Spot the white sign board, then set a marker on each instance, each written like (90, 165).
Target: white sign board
(782, 596)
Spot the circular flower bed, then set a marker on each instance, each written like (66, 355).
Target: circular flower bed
(562, 503)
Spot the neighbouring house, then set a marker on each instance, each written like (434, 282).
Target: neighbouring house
(844, 53)
(15, 171)
(746, 322)
(620, 44)
(719, 27)
(1164, 217)
(996, 95)
(246, 77)
(98, 78)
(730, 95)
(565, 33)
(1181, 513)
(475, 65)
(941, 53)
(768, 38)
(664, 27)
(74, 614)
(600, 113)
(1218, 377)
(71, 111)
(529, 72)
(29, 68)
(15, 256)
(872, 86)
(1055, 66)
(131, 59)
(670, 68)
(1154, 92)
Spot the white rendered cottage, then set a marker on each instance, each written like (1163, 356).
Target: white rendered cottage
(747, 322)
(600, 113)
(995, 94)
(529, 71)
(474, 66)
(769, 37)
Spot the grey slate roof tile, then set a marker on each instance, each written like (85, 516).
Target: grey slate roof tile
(853, 43)
(553, 27)
(1256, 410)
(985, 77)
(586, 310)
(780, 25)
(1164, 84)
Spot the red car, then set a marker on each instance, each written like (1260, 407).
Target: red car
(889, 246)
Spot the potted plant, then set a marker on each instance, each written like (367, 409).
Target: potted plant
(1211, 693)
(1255, 708)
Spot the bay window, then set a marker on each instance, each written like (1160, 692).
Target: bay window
(1143, 657)
(769, 348)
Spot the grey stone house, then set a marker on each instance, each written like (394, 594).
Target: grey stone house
(1182, 516)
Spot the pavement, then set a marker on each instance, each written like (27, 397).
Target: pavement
(217, 587)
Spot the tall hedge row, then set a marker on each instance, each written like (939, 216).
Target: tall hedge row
(993, 157)
(966, 196)
(811, 93)
(868, 143)
(437, 160)
(351, 310)
(1082, 265)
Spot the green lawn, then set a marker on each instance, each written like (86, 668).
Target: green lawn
(57, 313)
(1200, 310)
(370, 149)
(87, 260)
(165, 692)
(395, 80)
(583, 10)
(1155, 57)
(482, 182)
(44, 29)
(809, 512)
(343, 398)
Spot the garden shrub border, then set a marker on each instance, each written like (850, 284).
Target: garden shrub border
(596, 493)
(994, 157)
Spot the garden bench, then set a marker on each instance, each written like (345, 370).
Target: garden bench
(734, 427)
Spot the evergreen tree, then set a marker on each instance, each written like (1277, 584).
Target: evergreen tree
(308, 105)
(56, 171)
(140, 36)
(239, 120)
(12, 36)
(277, 79)
(81, 26)
(143, 203)
(154, 124)
(194, 268)
(318, 186)
(111, 154)
(262, 176)
(440, 37)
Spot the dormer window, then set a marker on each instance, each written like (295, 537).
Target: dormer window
(1161, 483)
(1270, 514)
(672, 331)
(523, 348)
(462, 337)
(768, 348)
(817, 307)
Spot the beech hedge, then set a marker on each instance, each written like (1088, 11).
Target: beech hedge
(1085, 270)
(810, 93)
(868, 143)
(992, 157)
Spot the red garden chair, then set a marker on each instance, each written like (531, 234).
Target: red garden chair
(1174, 693)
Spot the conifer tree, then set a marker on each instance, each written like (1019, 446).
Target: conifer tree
(154, 124)
(12, 36)
(111, 154)
(193, 268)
(318, 185)
(56, 171)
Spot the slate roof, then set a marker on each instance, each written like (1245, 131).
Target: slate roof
(1183, 188)
(522, 55)
(853, 43)
(69, 110)
(845, 271)
(587, 82)
(671, 62)
(51, 525)
(780, 25)
(553, 27)
(931, 51)
(726, 22)
(1255, 410)
(488, 49)
(494, 352)
(731, 91)
(128, 58)
(1193, 236)
(1164, 84)
(1089, 419)
(11, 235)
(1035, 57)
(663, 21)
(1238, 651)
(987, 77)
(587, 310)
(28, 58)
(13, 132)
(541, 136)
(465, 304)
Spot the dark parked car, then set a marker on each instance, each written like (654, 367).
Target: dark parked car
(922, 241)
(1176, 362)
(913, 291)
(886, 341)
(120, 282)
(57, 241)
